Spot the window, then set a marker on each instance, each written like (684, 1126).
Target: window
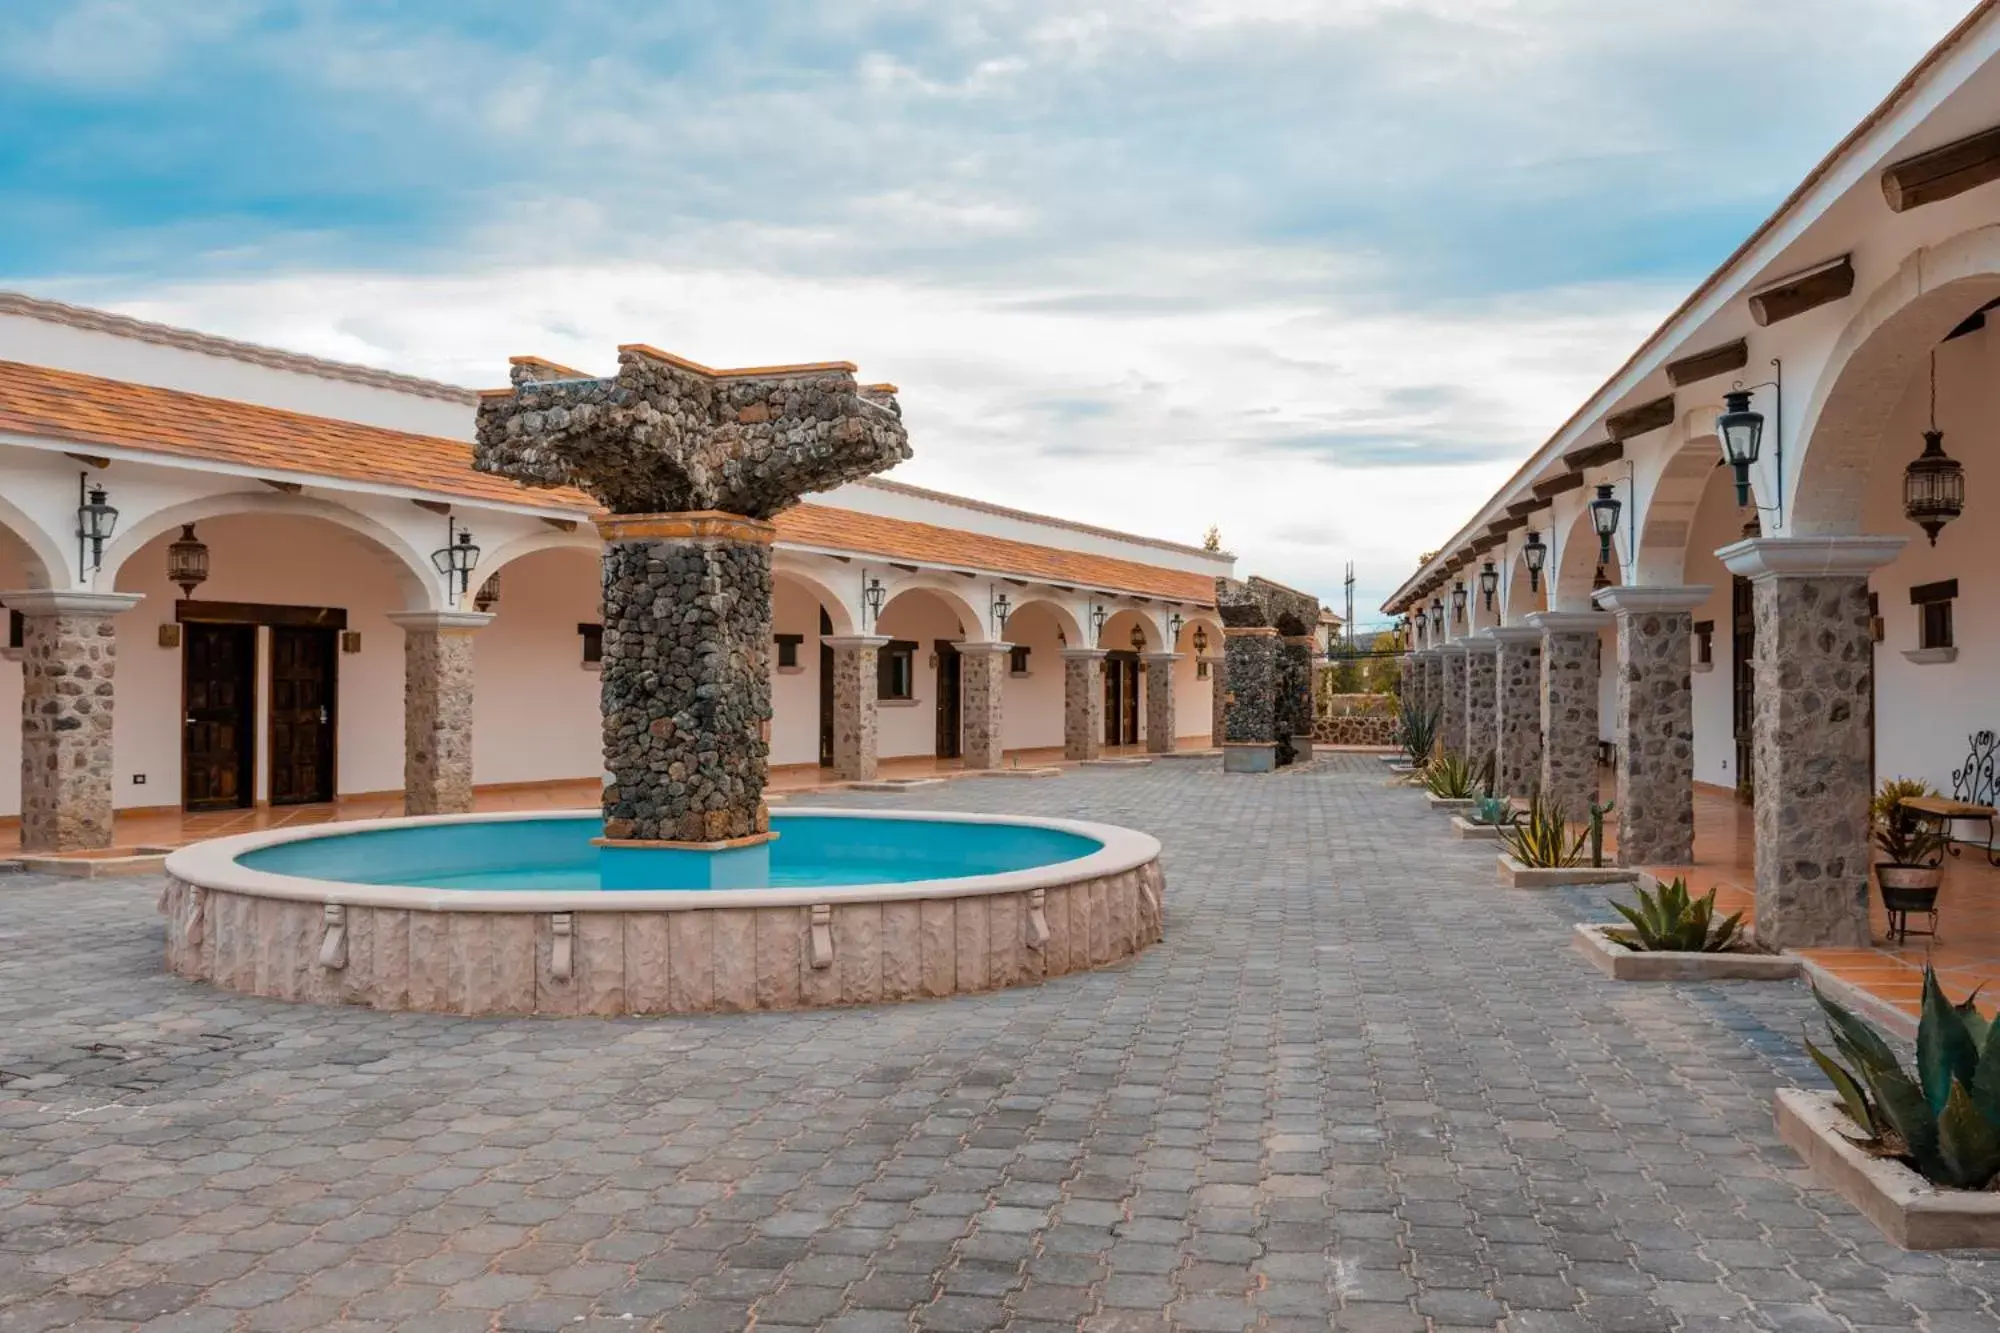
(16, 630)
(788, 651)
(1704, 643)
(1017, 661)
(1933, 602)
(896, 670)
(593, 643)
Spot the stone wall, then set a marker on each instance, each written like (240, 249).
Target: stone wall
(1356, 729)
(1518, 712)
(983, 679)
(687, 688)
(854, 700)
(1569, 719)
(1083, 703)
(1655, 734)
(1250, 678)
(1481, 696)
(437, 720)
(1295, 691)
(1451, 693)
(68, 663)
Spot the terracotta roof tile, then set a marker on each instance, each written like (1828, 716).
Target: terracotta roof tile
(829, 528)
(84, 409)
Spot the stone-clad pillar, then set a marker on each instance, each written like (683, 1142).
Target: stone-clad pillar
(982, 671)
(1655, 722)
(854, 696)
(1480, 694)
(1451, 698)
(1569, 708)
(1160, 724)
(1814, 722)
(1517, 714)
(1218, 699)
(437, 710)
(1250, 727)
(1083, 703)
(687, 685)
(1295, 692)
(69, 651)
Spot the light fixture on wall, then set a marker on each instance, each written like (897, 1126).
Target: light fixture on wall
(1174, 623)
(1138, 639)
(1536, 553)
(1458, 603)
(1098, 615)
(1600, 579)
(1934, 482)
(1437, 616)
(187, 561)
(457, 558)
(873, 594)
(1489, 582)
(1742, 432)
(488, 595)
(1200, 639)
(998, 608)
(95, 522)
(1604, 512)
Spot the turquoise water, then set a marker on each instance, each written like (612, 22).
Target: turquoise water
(557, 853)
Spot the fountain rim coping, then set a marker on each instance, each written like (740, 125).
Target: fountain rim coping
(212, 865)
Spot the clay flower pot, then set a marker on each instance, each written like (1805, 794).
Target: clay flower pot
(1909, 888)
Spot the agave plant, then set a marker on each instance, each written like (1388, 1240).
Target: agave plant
(1672, 922)
(1945, 1122)
(1495, 810)
(1541, 839)
(1449, 778)
(1417, 731)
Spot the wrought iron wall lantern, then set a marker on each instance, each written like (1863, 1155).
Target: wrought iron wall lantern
(1458, 603)
(1201, 638)
(1934, 482)
(96, 520)
(1098, 615)
(187, 561)
(873, 594)
(998, 608)
(457, 558)
(488, 595)
(1489, 582)
(1604, 515)
(1437, 616)
(1740, 427)
(1536, 553)
(1138, 639)
(1174, 623)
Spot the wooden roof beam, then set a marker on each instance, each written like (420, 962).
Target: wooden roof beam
(1819, 285)
(1524, 509)
(1943, 173)
(1707, 365)
(1636, 421)
(1593, 455)
(1554, 486)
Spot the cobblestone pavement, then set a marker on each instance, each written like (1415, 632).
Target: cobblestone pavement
(1360, 1086)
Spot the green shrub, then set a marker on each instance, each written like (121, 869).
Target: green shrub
(1670, 921)
(1449, 777)
(1944, 1123)
(1541, 839)
(1417, 731)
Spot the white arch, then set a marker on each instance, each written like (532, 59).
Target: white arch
(423, 588)
(838, 613)
(534, 543)
(1576, 564)
(1066, 620)
(1211, 623)
(1879, 353)
(1117, 636)
(1521, 595)
(971, 619)
(44, 562)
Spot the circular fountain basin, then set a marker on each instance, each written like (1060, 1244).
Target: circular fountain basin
(521, 913)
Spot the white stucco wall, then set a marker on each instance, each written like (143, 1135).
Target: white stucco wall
(910, 727)
(1033, 706)
(535, 707)
(1717, 522)
(795, 694)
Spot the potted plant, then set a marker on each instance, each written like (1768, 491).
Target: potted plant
(1915, 849)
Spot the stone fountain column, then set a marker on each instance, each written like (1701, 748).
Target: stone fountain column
(1160, 722)
(1250, 724)
(1083, 703)
(1295, 705)
(1655, 723)
(1814, 724)
(69, 658)
(982, 686)
(437, 709)
(854, 697)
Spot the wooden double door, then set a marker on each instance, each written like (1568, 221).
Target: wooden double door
(1121, 698)
(219, 692)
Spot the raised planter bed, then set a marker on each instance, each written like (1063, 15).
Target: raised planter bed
(1448, 803)
(1471, 832)
(1517, 876)
(1622, 964)
(1906, 1208)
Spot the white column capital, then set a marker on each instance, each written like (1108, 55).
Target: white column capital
(1481, 642)
(1500, 634)
(1569, 622)
(1159, 657)
(1084, 654)
(854, 640)
(1803, 557)
(993, 646)
(52, 602)
(441, 620)
(1453, 648)
(1651, 601)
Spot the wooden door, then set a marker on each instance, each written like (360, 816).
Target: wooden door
(949, 712)
(303, 697)
(1743, 693)
(1121, 699)
(219, 699)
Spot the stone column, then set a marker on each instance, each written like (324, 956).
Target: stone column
(854, 696)
(1083, 703)
(1655, 722)
(1814, 723)
(1451, 697)
(437, 710)
(1218, 699)
(1480, 698)
(69, 651)
(687, 685)
(1295, 692)
(1160, 722)
(1517, 713)
(1250, 675)
(1569, 708)
(982, 675)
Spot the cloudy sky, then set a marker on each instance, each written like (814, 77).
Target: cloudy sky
(1320, 272)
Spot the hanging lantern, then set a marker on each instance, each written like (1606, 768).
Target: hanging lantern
(1138, 639)
(1200, 639)
(1489, 583)
(1604, 511)
(95, 520)
(1098, 615)
(1537, 556)
(1742, 432)
(488, 596)
(1933, 487)
(1458, 602)
(1437, 616)
(457, 558)
(187, 561)
(873, 594)
(1174, 623)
